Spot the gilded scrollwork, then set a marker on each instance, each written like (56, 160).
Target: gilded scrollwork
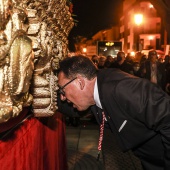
(33, 39)
(49, 30)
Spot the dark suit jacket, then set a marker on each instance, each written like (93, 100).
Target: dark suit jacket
(161, 76)
(136, 110)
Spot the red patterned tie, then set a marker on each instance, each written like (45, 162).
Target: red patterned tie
(101, 135)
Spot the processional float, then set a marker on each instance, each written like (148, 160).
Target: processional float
(33, 39)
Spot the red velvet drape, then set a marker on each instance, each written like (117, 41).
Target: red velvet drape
(35, 145)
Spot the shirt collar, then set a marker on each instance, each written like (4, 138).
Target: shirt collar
(96, 95)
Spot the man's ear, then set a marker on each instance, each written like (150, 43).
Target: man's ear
(81, 81)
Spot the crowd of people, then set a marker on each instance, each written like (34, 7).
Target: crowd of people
(155, 69)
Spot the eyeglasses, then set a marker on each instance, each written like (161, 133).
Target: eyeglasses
(61, 91)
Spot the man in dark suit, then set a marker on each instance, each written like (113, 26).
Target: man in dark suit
(153, 70)
(136, 110)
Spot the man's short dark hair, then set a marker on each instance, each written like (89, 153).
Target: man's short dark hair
(71, 66)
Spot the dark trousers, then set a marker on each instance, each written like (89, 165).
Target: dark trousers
(151, 154)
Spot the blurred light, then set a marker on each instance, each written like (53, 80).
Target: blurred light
(84, 50)
(105, 49)
(132, 53)
(150, 6)
(138, 19)
(151, 37)
(109, 43)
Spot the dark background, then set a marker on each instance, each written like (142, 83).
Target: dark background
(93, 16)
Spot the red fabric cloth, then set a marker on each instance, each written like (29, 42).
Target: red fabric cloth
(37, 144)
(13, 121)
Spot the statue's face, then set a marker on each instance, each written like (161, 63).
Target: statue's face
(4, 13)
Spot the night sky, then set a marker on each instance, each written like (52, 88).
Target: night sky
(93, 16)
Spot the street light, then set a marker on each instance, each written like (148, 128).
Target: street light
(138, 18)
(84, 50)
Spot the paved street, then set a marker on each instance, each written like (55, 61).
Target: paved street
(82, 142)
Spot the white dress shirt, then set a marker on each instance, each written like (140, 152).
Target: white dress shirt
(96, 95)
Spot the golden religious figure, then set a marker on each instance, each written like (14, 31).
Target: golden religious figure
(33, 39)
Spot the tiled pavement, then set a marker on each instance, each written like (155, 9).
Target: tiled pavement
(82, 142)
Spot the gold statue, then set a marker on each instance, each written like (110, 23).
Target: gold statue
(16, 62)
(33, 39)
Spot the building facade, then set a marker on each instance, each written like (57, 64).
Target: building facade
(144, 32)
(153, 31)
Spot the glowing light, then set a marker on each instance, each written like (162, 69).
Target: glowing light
(109, 43)
(84, 50)
(150, 6)
(132, 53)
(138, 19)
(151, 37)
(105, 49)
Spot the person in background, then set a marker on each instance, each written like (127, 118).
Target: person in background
(160, 60)
(129, 58)
(152, 70)
(143, 59)
(102, 60)
(136, 110)
(122, 64)
(108, 62)
(167, 71)
(95, 59)
(136, 67)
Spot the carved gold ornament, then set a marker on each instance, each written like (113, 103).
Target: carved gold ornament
(33, 39)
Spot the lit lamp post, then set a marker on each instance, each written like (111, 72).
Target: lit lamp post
(84, 51)
(138, 18)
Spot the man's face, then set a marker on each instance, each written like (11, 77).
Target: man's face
(74, 92)
(121, 57)
(153, 58)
